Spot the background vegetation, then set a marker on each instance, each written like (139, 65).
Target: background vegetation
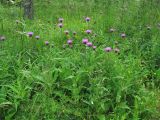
(59, 82)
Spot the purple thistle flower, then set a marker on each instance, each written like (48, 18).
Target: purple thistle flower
(70, 42)
(2, 38)
(85, 41)
(123, 35)
(66, 32)
(46, 43)
(88, 31)
(89, 44)
(87, 19)
(116, 50)
(30, 34)
(94, 47)
(108, 49)
(60, 25)
(60, 20)
(148, 28)
(37, 37)
(112, 30)
(74, 33)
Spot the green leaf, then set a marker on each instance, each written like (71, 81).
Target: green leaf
(101, 117)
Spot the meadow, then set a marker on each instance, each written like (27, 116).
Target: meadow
(80, 60)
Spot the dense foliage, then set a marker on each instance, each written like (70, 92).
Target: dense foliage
(48, 72)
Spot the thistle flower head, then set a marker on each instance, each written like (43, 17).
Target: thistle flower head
(74, 33)
(111, 30)
(148, 27)
(60, 20)
(123, 35)
(66, 32)
(116, 50)
(2, 38)
(60, 25)
(85, 41)
(37, 37)
(94, 47)
(88, 31)
(87, 19)
(46, 43)
(70, 42)
(89, 44)
(108, 49)
(30, 34)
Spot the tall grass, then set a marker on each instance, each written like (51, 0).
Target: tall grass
(53, 82)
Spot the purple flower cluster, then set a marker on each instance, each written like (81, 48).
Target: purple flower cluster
(109, 49)
(30, 34)
(67, 32)
(60, 24)
(88, 44)
(85, 41)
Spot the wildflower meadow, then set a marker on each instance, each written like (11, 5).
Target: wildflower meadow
(79, 59)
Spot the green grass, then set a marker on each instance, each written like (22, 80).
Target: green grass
(39, 82)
